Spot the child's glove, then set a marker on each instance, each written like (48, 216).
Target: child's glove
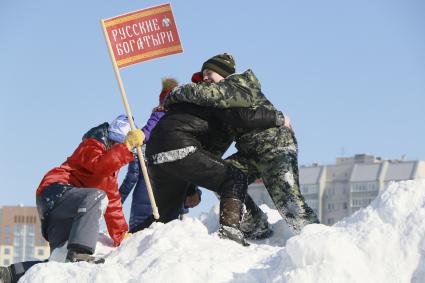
(134, 139)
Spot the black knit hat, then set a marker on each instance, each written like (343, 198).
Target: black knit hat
(222, 64)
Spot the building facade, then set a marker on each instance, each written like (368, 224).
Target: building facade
(20, 235)
(338, 190)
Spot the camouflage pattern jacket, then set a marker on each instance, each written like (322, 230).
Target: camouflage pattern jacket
(237, 90)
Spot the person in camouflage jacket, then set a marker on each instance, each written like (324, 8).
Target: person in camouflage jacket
(270, 154)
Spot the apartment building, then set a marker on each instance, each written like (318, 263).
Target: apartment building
(20, 235)
(338, 190)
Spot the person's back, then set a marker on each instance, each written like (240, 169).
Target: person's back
(177, 129)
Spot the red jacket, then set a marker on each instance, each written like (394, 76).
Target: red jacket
(93, 166)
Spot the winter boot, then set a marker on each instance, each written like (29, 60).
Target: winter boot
(255, 227)
(298, 221)
(74, 256)
(230, 218)
(254, 223)
(6, 275)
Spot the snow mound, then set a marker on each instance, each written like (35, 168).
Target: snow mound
(384, 242)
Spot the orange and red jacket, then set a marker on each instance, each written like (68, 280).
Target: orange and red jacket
(93, 166)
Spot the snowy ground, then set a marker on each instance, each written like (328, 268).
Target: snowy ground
(384, 242)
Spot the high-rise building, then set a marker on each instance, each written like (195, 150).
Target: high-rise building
(20, 235)
(338, 190)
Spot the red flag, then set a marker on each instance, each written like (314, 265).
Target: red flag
(143, 35)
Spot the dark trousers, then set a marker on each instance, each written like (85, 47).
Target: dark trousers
(71, 215)
(172, 179)
(18, 269)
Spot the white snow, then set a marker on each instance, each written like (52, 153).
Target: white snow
(384, 242)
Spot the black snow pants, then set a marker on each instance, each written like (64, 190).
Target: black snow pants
(171, 179)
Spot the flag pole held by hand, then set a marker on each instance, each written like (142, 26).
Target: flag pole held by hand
(135, 37)
(133, 127)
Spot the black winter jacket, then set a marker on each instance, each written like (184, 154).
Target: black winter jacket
(190, 125)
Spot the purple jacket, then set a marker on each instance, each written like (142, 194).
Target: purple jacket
(151, 123)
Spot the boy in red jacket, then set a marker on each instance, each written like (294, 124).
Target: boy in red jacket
(71, 198)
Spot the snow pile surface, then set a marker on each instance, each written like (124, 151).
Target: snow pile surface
(384, 242)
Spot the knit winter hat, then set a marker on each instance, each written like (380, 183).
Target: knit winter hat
(119, 128)
(167, 85)
(222, 64)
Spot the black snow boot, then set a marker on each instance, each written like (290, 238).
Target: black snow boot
(254, 224)
(230, 218)
(6, 275)
(74, 256)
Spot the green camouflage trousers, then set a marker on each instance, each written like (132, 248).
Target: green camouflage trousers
(273, 156)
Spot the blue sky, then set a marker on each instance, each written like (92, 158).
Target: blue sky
(351, 74)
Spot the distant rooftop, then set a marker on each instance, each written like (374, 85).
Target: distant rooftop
(310, 175)
(358, 158)
(365, 172)
(400, 170)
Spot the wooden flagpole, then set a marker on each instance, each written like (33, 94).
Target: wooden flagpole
(132, 125)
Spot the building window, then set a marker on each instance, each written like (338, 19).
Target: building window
(364, 187)
(362, 202)
(345, 205)
(40, 252)
(7, 251)
(309, 189)
(30, 229)
(7, 240)
(6, 262)
(29, 252)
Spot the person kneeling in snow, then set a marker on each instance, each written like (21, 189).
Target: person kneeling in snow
(71, 198)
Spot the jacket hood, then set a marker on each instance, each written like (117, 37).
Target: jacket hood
(100, 133)
(247, 79)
